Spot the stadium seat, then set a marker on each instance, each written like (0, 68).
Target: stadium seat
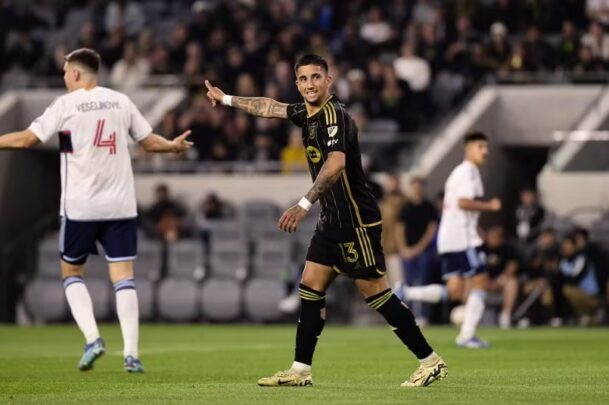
(177, 300)
(229, 259)
(272, 257)
(148, 262)
(186, 259)
(258, 214)
(221, 300)
(261, 299)
(45, 300)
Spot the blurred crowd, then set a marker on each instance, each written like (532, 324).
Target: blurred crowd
(405, 62)
(542, 271)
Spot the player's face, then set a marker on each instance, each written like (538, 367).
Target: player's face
(477, 152)
(313, 84)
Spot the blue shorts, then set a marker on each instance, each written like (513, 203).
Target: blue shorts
(78, 239)
(466, 263)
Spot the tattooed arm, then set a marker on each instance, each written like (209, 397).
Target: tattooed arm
(328, 175)
(259, 106)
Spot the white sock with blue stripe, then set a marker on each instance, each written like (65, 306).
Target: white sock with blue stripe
(128, 315)
(474, 308)
(81, 306)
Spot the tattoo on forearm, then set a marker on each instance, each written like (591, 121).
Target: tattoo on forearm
(261, 107)
(324, 182)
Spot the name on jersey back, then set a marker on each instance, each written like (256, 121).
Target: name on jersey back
(98, 105)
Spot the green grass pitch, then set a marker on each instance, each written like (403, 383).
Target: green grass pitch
(212, 364)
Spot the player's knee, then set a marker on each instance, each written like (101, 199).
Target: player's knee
(71, 270)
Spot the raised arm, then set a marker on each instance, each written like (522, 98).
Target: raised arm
(157, 144)
(468, 204)
(328, 175)
(259, 106)
(18, 140)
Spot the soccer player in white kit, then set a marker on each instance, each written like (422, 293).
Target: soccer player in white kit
(459, 243)
(98, 194)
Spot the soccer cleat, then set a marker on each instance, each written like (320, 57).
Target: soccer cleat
(133, 365)
(93, 351)
(427, 373)
(473, 343)
(287, 378)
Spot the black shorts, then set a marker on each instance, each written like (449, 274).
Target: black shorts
(354, 252)
(78, 239)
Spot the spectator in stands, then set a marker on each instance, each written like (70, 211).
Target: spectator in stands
(503, 266)
(131, 71)
(597, 40)
(159, 61)
(412, 69)
(578, 282)
(293, 157)
(264, 153)
(24, 52)
(568, 48)
(376, 30)
(529, 216)
(498, 49)
(127, 15)
(517, 61)
(538, 53)
(415, 231)
(87, 37)
(542, 264)
(112, 48)
(588, 63)
(598, 10)
(597, 258)
(165, 218)
(193, 66)
(391, 205)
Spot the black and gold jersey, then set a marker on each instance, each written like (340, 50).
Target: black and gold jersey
(350, 203)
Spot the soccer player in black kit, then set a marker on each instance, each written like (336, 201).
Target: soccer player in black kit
(347, 240)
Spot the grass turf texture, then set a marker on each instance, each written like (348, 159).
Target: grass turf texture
(214, 364)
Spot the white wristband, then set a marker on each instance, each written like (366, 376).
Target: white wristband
(227, 100)
(305, 204)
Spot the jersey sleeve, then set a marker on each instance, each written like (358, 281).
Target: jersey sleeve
(139, 128)
(297, 113)
(49, 123)
(466, 186)
(335, 128)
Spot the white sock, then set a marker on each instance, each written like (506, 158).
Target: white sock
(300, 367)
(429, 359)
(128, 315)
(81, 306)
(474, 308)
(432, 293)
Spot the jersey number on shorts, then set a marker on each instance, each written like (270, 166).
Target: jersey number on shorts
(350, 255)
(100, 142)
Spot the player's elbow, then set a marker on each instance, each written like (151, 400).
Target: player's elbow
(27, 140)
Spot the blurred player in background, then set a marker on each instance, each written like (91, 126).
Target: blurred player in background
(98, 194)
(459, 243)
(348, 236)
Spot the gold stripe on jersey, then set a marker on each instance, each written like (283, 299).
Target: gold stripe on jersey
(336, 269)
(333, 113)
(368, 246)
(326, 113)
(365, 232)
(363, 247)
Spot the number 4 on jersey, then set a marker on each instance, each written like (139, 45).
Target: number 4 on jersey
(110, 142)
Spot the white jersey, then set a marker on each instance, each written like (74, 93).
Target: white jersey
(458, 228)
(93, 128)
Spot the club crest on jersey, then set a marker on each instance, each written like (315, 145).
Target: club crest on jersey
(312, 130)
(314, 154)
(332, 131)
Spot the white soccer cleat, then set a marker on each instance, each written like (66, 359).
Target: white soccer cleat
(473, 343)
(427, 374)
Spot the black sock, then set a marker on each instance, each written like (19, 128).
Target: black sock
(399, 317)
(310, 323)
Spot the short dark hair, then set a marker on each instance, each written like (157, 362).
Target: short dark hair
(311, 59)
(474, 136)
(86, 57)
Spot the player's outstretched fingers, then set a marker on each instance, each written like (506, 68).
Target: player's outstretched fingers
(283, 222)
